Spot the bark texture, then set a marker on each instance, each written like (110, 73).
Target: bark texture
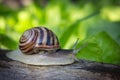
(83, 70)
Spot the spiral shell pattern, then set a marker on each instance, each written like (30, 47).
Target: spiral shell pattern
(38, 39)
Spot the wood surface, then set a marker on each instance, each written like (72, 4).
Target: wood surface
(82, 70)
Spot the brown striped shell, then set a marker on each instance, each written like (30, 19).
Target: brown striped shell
(38, 39)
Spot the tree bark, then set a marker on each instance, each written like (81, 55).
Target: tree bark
(82, 70)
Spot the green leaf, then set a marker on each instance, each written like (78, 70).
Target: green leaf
(69, 30)
(7, 42)
(101, 48)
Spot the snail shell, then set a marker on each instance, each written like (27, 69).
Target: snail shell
(40, 46)
(36, 39)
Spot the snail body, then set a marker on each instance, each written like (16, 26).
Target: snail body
(40, 46)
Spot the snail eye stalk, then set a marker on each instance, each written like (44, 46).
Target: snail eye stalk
(75, 51)
(81, 47)
(75, 44)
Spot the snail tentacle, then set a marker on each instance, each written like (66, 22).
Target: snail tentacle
(75, 44)
(75, 51)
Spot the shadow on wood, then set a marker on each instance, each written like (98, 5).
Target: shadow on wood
(83, 70)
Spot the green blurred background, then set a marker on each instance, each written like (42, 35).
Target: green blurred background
(94, 22)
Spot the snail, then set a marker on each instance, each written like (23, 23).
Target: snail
(40, 46)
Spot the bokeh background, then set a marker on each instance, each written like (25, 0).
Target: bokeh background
(95, 23)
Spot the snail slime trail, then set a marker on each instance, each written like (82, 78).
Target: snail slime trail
(40, 46)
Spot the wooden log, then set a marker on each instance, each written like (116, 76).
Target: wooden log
(82, 70)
